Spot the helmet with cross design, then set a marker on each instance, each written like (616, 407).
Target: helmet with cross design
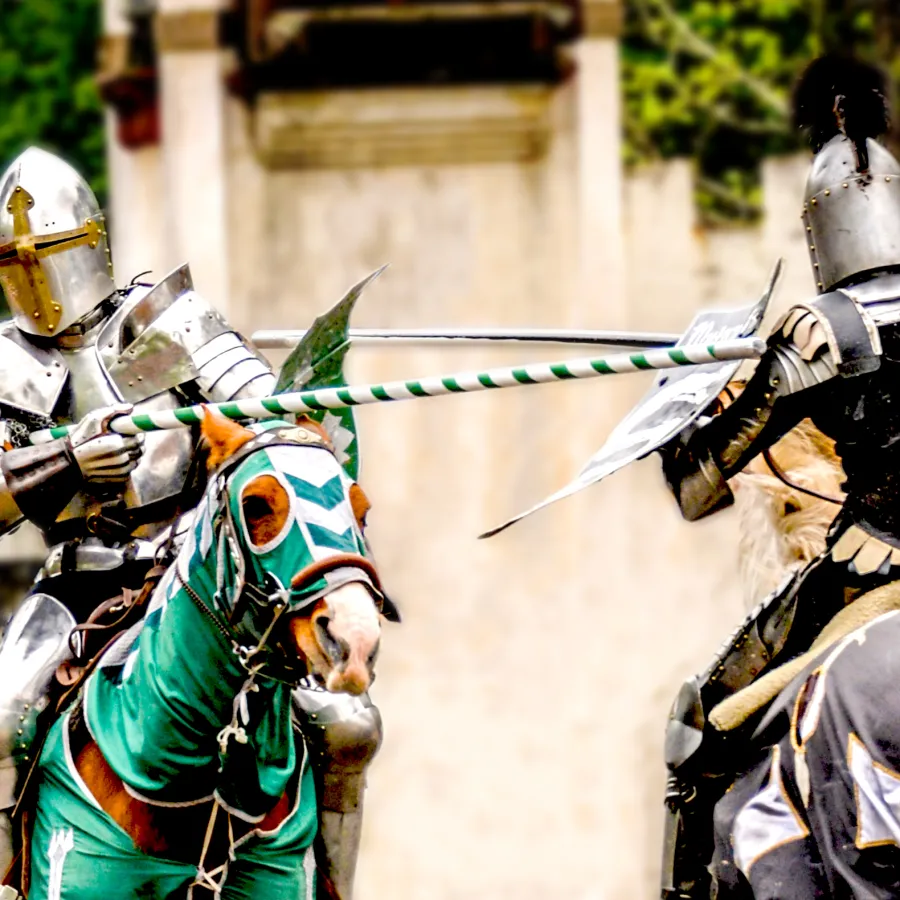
(54, 258)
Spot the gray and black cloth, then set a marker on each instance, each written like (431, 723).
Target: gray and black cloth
(818, 814)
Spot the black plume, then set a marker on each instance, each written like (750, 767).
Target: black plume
(838, 94)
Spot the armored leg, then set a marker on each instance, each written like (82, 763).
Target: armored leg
(343, 734)
(700, 766)
(34, 644)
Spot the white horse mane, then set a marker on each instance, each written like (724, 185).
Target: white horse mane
(782, 528)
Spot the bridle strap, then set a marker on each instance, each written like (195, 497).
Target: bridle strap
(314, 571)
(780, 474)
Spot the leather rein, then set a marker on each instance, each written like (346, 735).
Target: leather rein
(781, 475)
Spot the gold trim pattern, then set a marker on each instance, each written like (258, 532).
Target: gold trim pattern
(803, 831)
(854, 741)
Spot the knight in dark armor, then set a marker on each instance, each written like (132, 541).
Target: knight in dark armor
(78, 350)
(835, 360)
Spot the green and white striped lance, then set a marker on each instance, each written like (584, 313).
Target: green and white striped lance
(459, 383)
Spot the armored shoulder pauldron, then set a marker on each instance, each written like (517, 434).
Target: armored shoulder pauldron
(148, 346)
(31, 377)
(838, 323)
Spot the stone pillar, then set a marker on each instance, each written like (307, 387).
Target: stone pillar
(598, 295)
(133, 207)
(136, 198)
(192, 101)
(598, 118)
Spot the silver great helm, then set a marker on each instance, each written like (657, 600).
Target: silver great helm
(852, 218)
(54, 261)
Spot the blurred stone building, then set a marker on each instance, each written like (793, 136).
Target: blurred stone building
(288, 148)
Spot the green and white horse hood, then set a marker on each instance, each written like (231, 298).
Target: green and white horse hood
(320, 524)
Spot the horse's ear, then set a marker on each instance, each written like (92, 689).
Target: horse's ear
(221, 437)
(314, 426)
(266, 507)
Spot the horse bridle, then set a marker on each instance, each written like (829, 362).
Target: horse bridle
(277, 600)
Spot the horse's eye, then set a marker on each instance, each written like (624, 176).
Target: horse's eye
(266, 509)
(256, 507)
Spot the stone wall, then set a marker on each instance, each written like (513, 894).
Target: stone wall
(526, 692)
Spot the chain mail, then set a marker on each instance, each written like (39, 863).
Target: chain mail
(20, 424)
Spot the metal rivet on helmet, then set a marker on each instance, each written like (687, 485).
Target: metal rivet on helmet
(858, 230)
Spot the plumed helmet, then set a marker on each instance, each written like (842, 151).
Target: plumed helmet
(54, 259)
(851, 207)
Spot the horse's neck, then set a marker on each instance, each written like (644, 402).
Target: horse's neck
(179, 656)
(157, 710)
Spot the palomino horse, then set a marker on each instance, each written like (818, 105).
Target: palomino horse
(178, 773)
(816, 813)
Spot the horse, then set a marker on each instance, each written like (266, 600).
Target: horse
(177, 772)
(815, 810)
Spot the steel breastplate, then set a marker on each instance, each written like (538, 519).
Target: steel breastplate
(164, 464)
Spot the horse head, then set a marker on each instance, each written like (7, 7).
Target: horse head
(784, 520)
(297, 570)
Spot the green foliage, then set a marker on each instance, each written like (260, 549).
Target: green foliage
(48, 94)
(711, 79)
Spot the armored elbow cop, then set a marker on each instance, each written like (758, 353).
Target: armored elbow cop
(694, 478)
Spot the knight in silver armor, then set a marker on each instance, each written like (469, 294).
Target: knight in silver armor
(78, 350)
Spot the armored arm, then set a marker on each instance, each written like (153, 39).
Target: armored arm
(10, 513)
(37, 483)
(174, 338)
(783, 390)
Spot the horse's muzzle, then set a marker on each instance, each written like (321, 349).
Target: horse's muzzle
(340, 638)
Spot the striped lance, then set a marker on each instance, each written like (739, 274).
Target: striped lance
(459, 383)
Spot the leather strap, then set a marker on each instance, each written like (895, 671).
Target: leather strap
(314, 571)
(852, 336)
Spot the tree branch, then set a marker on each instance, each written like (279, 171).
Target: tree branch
(692, 42)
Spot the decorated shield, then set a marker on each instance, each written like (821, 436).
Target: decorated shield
(318, 362)
(677, 398)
